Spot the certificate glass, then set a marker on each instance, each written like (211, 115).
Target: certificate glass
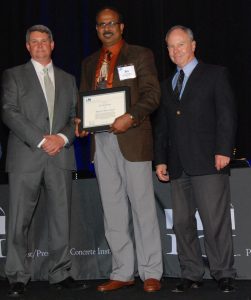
(99, 108)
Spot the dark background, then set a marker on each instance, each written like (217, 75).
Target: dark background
(222, 30)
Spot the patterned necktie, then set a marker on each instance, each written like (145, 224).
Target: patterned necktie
(104, 70)
(179, 83)
(50, 95)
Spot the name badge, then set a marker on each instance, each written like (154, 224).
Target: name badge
(126, 72)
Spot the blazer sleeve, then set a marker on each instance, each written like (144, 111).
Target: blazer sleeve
(226, 115)
(147, 85)
(12, 114)
(69, 129)
(160, 131)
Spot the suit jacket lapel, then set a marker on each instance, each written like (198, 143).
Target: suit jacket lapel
(32, 78)
(91, 74)
(191, 82)
(58, 83)
(93, 67)
(122, 60)
(170, 87)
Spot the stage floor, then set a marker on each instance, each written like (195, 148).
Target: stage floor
(41, 290)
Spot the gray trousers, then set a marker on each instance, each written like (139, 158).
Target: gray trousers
(121, 181)
(24, 191)
(210, 194)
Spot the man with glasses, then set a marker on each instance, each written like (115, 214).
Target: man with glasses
(123, 155)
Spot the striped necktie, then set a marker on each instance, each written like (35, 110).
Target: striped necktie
(179, 83)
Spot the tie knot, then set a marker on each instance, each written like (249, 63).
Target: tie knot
(108, 55)
(181, 74)
(45, 71)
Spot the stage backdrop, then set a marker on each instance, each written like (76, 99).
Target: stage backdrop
(221, 30)
(89, 251)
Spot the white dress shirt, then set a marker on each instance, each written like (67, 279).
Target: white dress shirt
(40, 74)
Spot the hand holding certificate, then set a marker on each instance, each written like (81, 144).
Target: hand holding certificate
(79, 133)
(122, 124)
(100, 108)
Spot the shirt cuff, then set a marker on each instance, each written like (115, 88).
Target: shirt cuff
(66, 141)
(41, 143)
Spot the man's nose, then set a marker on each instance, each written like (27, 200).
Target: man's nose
(39, 43)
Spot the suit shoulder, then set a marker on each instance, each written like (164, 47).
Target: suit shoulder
(63, 72)
(137, 54)
(16, 69)
(138, 49)
(212, 67)
(89, 62)
(212, 74)
(91, 57)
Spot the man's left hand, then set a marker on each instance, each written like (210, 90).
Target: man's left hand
(121, 124)
(221, 161)
(53, 144)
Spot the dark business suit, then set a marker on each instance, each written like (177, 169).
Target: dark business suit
(24, 111)
(123, 168)
(188, 134)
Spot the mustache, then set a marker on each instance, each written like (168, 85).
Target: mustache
(107, 32)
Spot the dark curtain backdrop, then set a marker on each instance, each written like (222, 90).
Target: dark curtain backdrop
(222, 29)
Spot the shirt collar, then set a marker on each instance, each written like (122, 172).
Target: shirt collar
(115, 49)
(189, 67)
(39, 67)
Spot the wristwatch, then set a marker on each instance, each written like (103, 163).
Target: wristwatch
(132, 118)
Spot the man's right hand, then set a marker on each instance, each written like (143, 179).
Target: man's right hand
(77, 132)
(162, 173)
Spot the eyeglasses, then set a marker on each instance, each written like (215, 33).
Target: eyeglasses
(109, 24)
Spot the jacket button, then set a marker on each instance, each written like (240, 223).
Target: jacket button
(47, 118)
(178, 112)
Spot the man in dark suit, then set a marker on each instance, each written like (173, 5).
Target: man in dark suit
(123, 155)
(38, 106)
(194, 140)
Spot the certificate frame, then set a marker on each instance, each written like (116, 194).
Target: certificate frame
(99, 108)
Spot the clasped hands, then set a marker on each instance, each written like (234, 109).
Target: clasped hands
(53, 144)
(121, 124)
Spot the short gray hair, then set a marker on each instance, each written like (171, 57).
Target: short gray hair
(183, 28)
(39, 28)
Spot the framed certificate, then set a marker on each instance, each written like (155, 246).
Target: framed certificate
(99, 108)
